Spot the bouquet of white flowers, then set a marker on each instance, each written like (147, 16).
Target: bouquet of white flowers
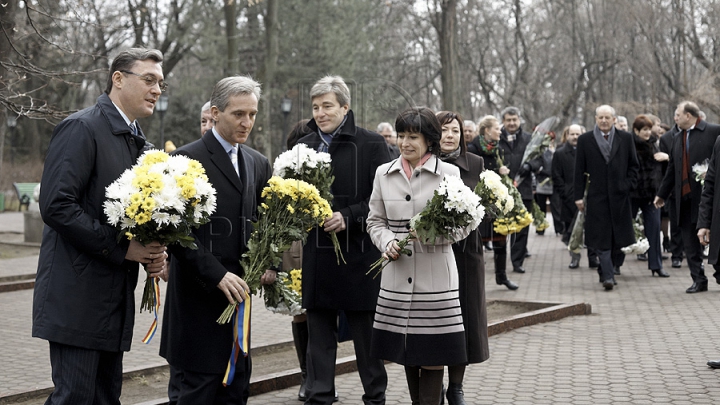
(161, 198)
(494, 195)
(313, 167)
(452, 206)
(642, 245)
(541, 139)
(700, 169)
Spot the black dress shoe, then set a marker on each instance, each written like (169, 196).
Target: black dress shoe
(660, 273)
(527, 254)
(697, 287)
(594, 263)
(518, 269)
(642, 257)
(455, 394)
(616, 271)
(676, 264)
(664, 257)
(574, 263)
(714, 363)
(510, 285)
(608, 285)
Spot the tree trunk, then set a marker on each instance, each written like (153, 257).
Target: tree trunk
(233, 60)
(262, 135)
(446, 26)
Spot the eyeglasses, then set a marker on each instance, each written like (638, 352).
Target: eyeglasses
(149, 80)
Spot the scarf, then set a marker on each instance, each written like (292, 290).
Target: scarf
(449, 157)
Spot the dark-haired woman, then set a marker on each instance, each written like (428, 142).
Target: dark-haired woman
(418, 321)
(468, 256)
(642, 195)
(487, 146)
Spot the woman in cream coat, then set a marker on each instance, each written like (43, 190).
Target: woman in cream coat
(418, 321)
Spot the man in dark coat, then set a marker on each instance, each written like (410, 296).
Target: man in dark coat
(563, 177)
(328, 286)
(691, 146)
(203, 281)
(84, 291)
(709, 218)
(676, 243)
(513, 142)
(608, 156)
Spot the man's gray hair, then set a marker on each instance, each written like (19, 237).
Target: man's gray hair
(205, 107)
(381, 126)
(469, 123)
(332, 84)
(621, 118)
(233, 86)
(690, 108)
(510, 111)
(612, 110)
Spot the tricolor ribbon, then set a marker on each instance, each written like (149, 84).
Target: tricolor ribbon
(241, 337)
(153, 328)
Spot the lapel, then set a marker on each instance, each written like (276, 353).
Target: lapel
(222, 161)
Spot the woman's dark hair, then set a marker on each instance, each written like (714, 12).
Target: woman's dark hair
(421, 120)
(298, 131)
(642, 121)
(446, 117)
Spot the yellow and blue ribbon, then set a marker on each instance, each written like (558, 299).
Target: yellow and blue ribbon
(153, 328)
(241, 338)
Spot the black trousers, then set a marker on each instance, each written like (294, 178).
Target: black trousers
(676, 239)
(202, 388)
(518, 241)
(322, 354)
(609, 259)
(84, 376)
(691, 244)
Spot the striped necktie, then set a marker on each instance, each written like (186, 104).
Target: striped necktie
(234, 159)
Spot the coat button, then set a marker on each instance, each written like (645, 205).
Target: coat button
(132, 141)
(407, 197)
(409, 254)
(407, 226)
(105, 252)
(417, 174)
(409, 280)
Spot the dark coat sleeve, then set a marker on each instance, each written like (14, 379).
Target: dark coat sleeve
(707, 199)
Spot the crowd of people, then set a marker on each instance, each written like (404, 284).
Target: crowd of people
(426, 312)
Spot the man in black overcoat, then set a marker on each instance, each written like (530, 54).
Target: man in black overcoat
(84, 302)
(203, 281)
(694, 144)
(328, 286)
(676, 243)
(563, 175)
(608, 156)
(512, 144)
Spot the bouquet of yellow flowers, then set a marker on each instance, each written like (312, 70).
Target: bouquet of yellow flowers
(306, 164)
(518, 217)
(284, 296)
(453, 206)
(291, 207)
(161, 198)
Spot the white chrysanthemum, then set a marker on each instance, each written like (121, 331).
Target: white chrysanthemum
(298, 157)
(127, 223)
(177, 165)
(175, 219)
(161, 218)
(203, 187)
(115, 211)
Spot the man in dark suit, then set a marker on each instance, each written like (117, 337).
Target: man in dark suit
(694, 144)
(563, 175)
(328, 286)
(203, 281)
(709, 218)
(608, 156)
(513, 142)
(676, 244)
(84, 303)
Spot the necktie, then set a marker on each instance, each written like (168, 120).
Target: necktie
(133, 129)
(233, 158)
(607, 137)
(685, 190)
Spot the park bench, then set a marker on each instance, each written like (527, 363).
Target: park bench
(24, 193)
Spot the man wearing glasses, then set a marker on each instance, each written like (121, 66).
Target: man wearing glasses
(83, 302)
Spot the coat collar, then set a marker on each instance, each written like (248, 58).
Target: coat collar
(431, 166)
(117, 123)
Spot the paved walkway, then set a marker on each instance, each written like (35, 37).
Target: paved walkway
(646, 342)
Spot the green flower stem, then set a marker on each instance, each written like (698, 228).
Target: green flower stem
(227, 313)
(336, 245)
(148, 299)
(381, 263)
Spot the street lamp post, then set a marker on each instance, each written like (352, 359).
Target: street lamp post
(11, 123)
(161, 107)
(285, 107)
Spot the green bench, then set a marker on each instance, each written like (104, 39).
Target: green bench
(24, 193)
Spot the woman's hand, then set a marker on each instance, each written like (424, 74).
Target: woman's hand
(504, 170)
(392, 251)
(661, 157)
